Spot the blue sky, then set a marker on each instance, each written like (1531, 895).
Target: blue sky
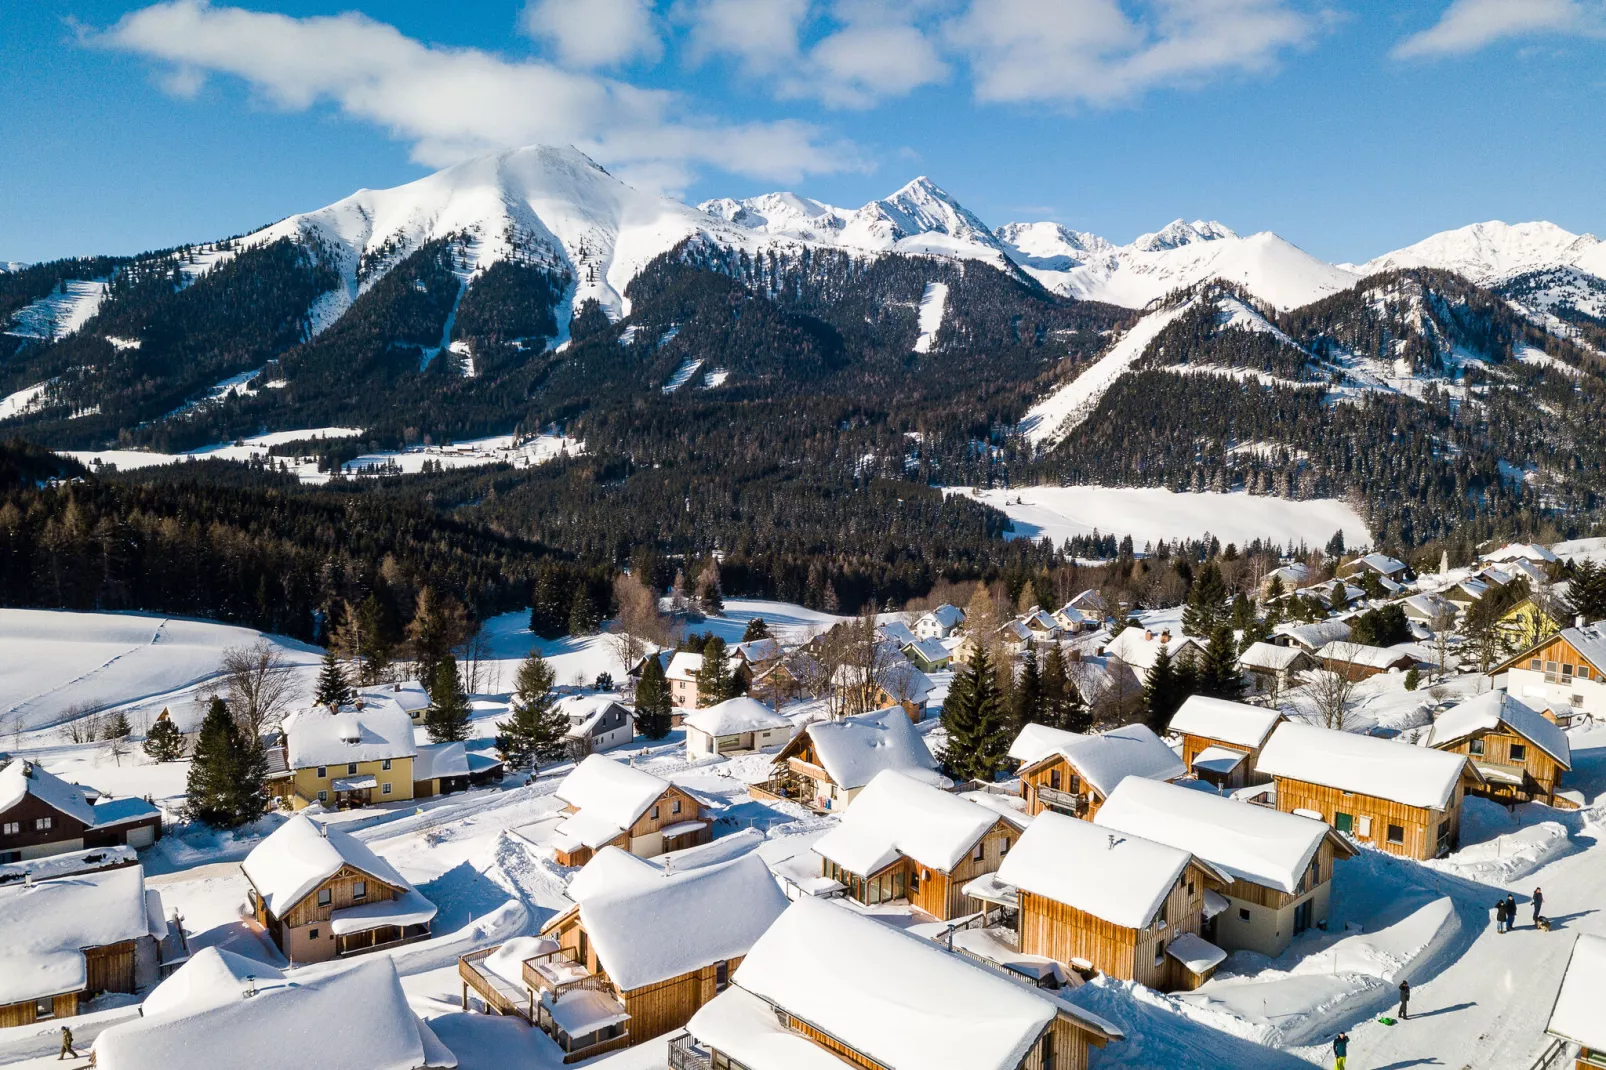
(1350, 127)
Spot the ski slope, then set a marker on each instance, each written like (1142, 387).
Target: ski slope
(933, 303)
(61, 312)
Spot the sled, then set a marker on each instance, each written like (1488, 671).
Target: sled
(1386, 1021)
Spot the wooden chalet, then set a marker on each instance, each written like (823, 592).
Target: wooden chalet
(640, 951)
(1273, 669)
(1221, 740)
(1280, 866)
(787, 1007)
(1358, 661)
(1118, 903)
(1521, 753)
(321, 894)
(1565, 669)
(69, 939)
(42, 815)
(1073, 774)
(1400, 798)
(828, 763)
(1575, 1020)
(905, 839)
(613, 804)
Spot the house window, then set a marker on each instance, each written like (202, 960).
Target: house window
(981, 851)
(1003, 846)
(1243, 913)
(351, 768)
(1475, 747)
(44, 1008)
(674, 806)
(323, 772)
(1444, 838)
(1396, 834)
(325, 897)
(1363, 827)
(1190, 889)
(1519, 752)
(384, 789)
(1159, 953)
(1343, 822)
(13, 828)
(359, 890)
(1054, 779)
(722, 975)
(1536, 665)
(323, 796)
(41, 824)
(312, 934)
(655, 813)
(385, 765)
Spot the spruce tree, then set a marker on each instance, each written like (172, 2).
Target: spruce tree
(1219, 675)
(976, 722)
(1162, 690)
(1063, 706)
(714, 680)
(333, 689)
(1206, 602)
(709, 596)
(582, 613)
(164, 742)
(654, 708)
(756, 629)
(549, 610)
(224, 788)
(1028, 698)
(448, 717)
(535, 728)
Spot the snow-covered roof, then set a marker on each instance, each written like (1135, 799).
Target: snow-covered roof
(122, 811)
(1576, 1014)
(381, 729)
(648, 924)
(1139, 647)
(1230, 722)
(897, 631)
(435, 760)
(1195, 953)
(409, 908)
(1314, 636)
(758, 650)
(685, 665)
(744, 1027)
(1382, 563)
(1119, 877)
(1037, 741)
(736, 715)
(905, 683)
(408, 694)
(298, 856)
(1590, 642)
(1219, 760)
(898, 816)
(944, 1011)
(584, 711)
(45, 927)
(1521, 551)
(853, 750)
(1269, 657)
(930, 650)
(1106, 759)
(1372, 657)
(1488, 711)
(22, 777)
(610, 791)
(945, 615)
(584, 1010)
(202, 1012)
(1249, 843)
(1427, 606)
(1011, 808)
(1385, 769)
(507, 961)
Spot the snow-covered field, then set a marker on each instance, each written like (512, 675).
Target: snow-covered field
(1148, 513)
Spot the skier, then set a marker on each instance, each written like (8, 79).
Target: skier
(1340, 1051)
(1538, 901)
(1405, 1000)
(66, 1045)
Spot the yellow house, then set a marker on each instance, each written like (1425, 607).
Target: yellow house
(1527, 623)
(357, 755)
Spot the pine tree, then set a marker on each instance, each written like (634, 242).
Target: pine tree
(1063, 706)
(535, 728)
(1028, 699)
(1162, 690)
(976, 722)
(1206, 602)
(756, 629)
(549, 616)
(224, 787)
(1219, 675)
(709, 595)
(164, 742)
(448, 717)
(1587, 593)
(654, 708)
(116, 727)
(715, 683)
(582, 614)
(333, 689)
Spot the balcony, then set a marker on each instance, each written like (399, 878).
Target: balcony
(557, 974)
(686, 1054)
(1062, 801)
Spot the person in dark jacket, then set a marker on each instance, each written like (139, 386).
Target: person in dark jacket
(1538, 901)
(1405, 1000)
(1511, 912)
(66, 1045)
(1340, 1051)
(1499, 915)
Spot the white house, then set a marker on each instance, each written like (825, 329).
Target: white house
(734, 726)
(1139, 648)
(408, 694)
(596, 722)
(1311, 637)
(1568, 669)
(1521, 551)
(940, 623)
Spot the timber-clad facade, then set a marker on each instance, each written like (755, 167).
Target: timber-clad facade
(938, 893)
(305, 932)
(646, 837)
(1417, 832)
(109, 968)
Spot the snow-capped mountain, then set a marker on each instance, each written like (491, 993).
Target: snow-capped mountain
(1490, 253)
(544, 204)
(1179, 255)
(921, 218)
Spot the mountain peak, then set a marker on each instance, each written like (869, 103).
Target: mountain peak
(1180, 232)
(1494, 250)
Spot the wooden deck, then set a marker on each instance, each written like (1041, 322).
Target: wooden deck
(499, 994)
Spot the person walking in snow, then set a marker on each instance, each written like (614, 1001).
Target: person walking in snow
(1405, 1000)
(1340, 1051)
(1538, 901)
(66, 1045)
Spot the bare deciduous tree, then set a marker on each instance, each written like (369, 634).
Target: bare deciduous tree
(257, 686)
(1332, 692)
(638, 625)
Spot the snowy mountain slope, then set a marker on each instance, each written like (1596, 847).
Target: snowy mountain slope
(1491, 252)
(920, 218)
(552, 206)
(61, 312)
(1177, 256)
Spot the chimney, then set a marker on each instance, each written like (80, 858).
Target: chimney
(1165, 635)
(1148, 633)
(323, 830)
(27, 878)
(250, 985)
(1581, 621)
(1111, 846)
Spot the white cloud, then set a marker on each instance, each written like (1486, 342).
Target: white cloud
(860, 64)
(1468, 25)
(455, 102)
(762, 35)
(595, 33)
(1097, 52)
